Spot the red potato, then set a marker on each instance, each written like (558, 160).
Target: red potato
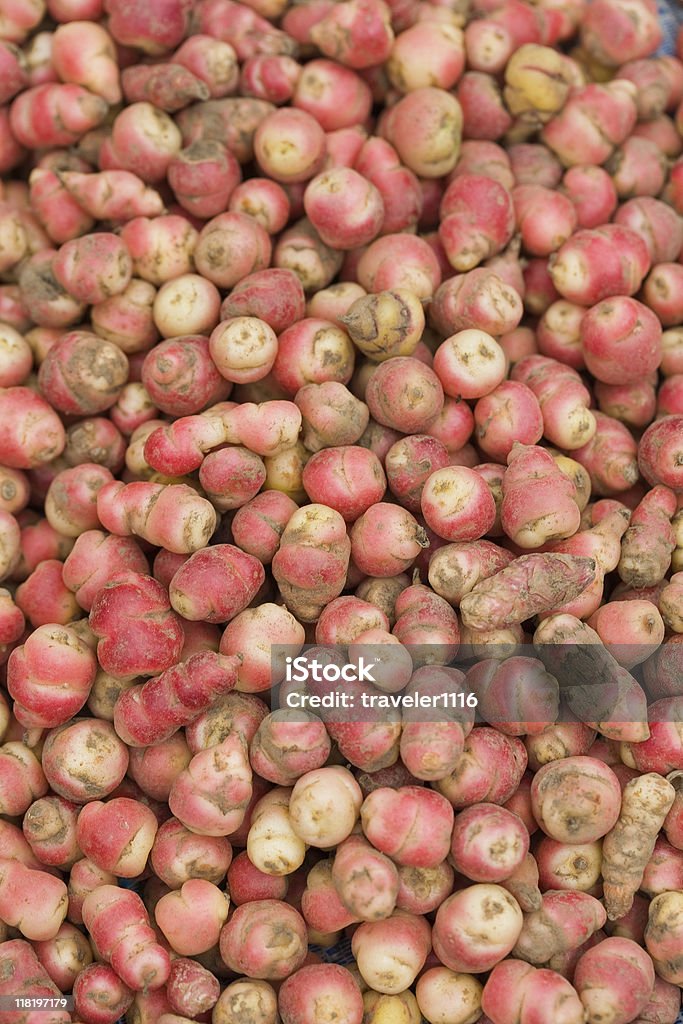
(25, 977)
(490, 769)
(179, 855)
(663, 1003)
(408, 465)
(155, 768)
(563, 922)
(54, 114)
(109, 195)
(23, 779)
(460, 917)
(558, 740)
(332, 415)
(247, 883)
(80, 741)
(575, 273)
(191, 988)
(237, 712)
(320, 984)
(84, 877)
(264, 200)
(399, 261)
(314, 529)
(95, 440)
(423, 890)
(32, 901)
(662, 936)
(665, 867)
(50, 827)
(181, 378)
(441, 993)
(324, 806)
(269, 428)
(201, 907)
(596, 797)
(247, 946)
(71, 499)
(340, 34)
(533, 513)
(98, 558)
(366, 881)
(225, 769)
(349, 479)
(406, 538)
(100, 996)
(127, 319)
(345, 209)
(488, 843)
(145, 510)
(594, 120)
(563, 399)
(599, 27)
(31, 433)
(457, 504)
(630, 638)
(516, 696)
(204, 176)
(659, 454)
(117, 920)
(621, 340)
(611, 457)
(244, 349)
(373, 945)
(509, 413)
(477, 219)
(592, 192)
(470, 364)
(568, 867)
(161, 247)
(596, 977)
(657, 223)
(65, 956)
(272, 844)
(140, 605)
(379, 816)
(319, 91)
(516, 991)
(503, 599)
(262, 638)
(287, 745)
(188, 589)
(36, 673)
(117, 836)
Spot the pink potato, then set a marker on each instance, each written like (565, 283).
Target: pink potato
(117, 836)
(462, 939)
(119, 926)
(319, 985)
(391, 821)
(488, 843)
(191, 917)
(265, 939)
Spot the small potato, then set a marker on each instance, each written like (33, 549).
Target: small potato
(324, 806)
(272, 843)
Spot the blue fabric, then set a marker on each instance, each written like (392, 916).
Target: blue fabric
(671, 17)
